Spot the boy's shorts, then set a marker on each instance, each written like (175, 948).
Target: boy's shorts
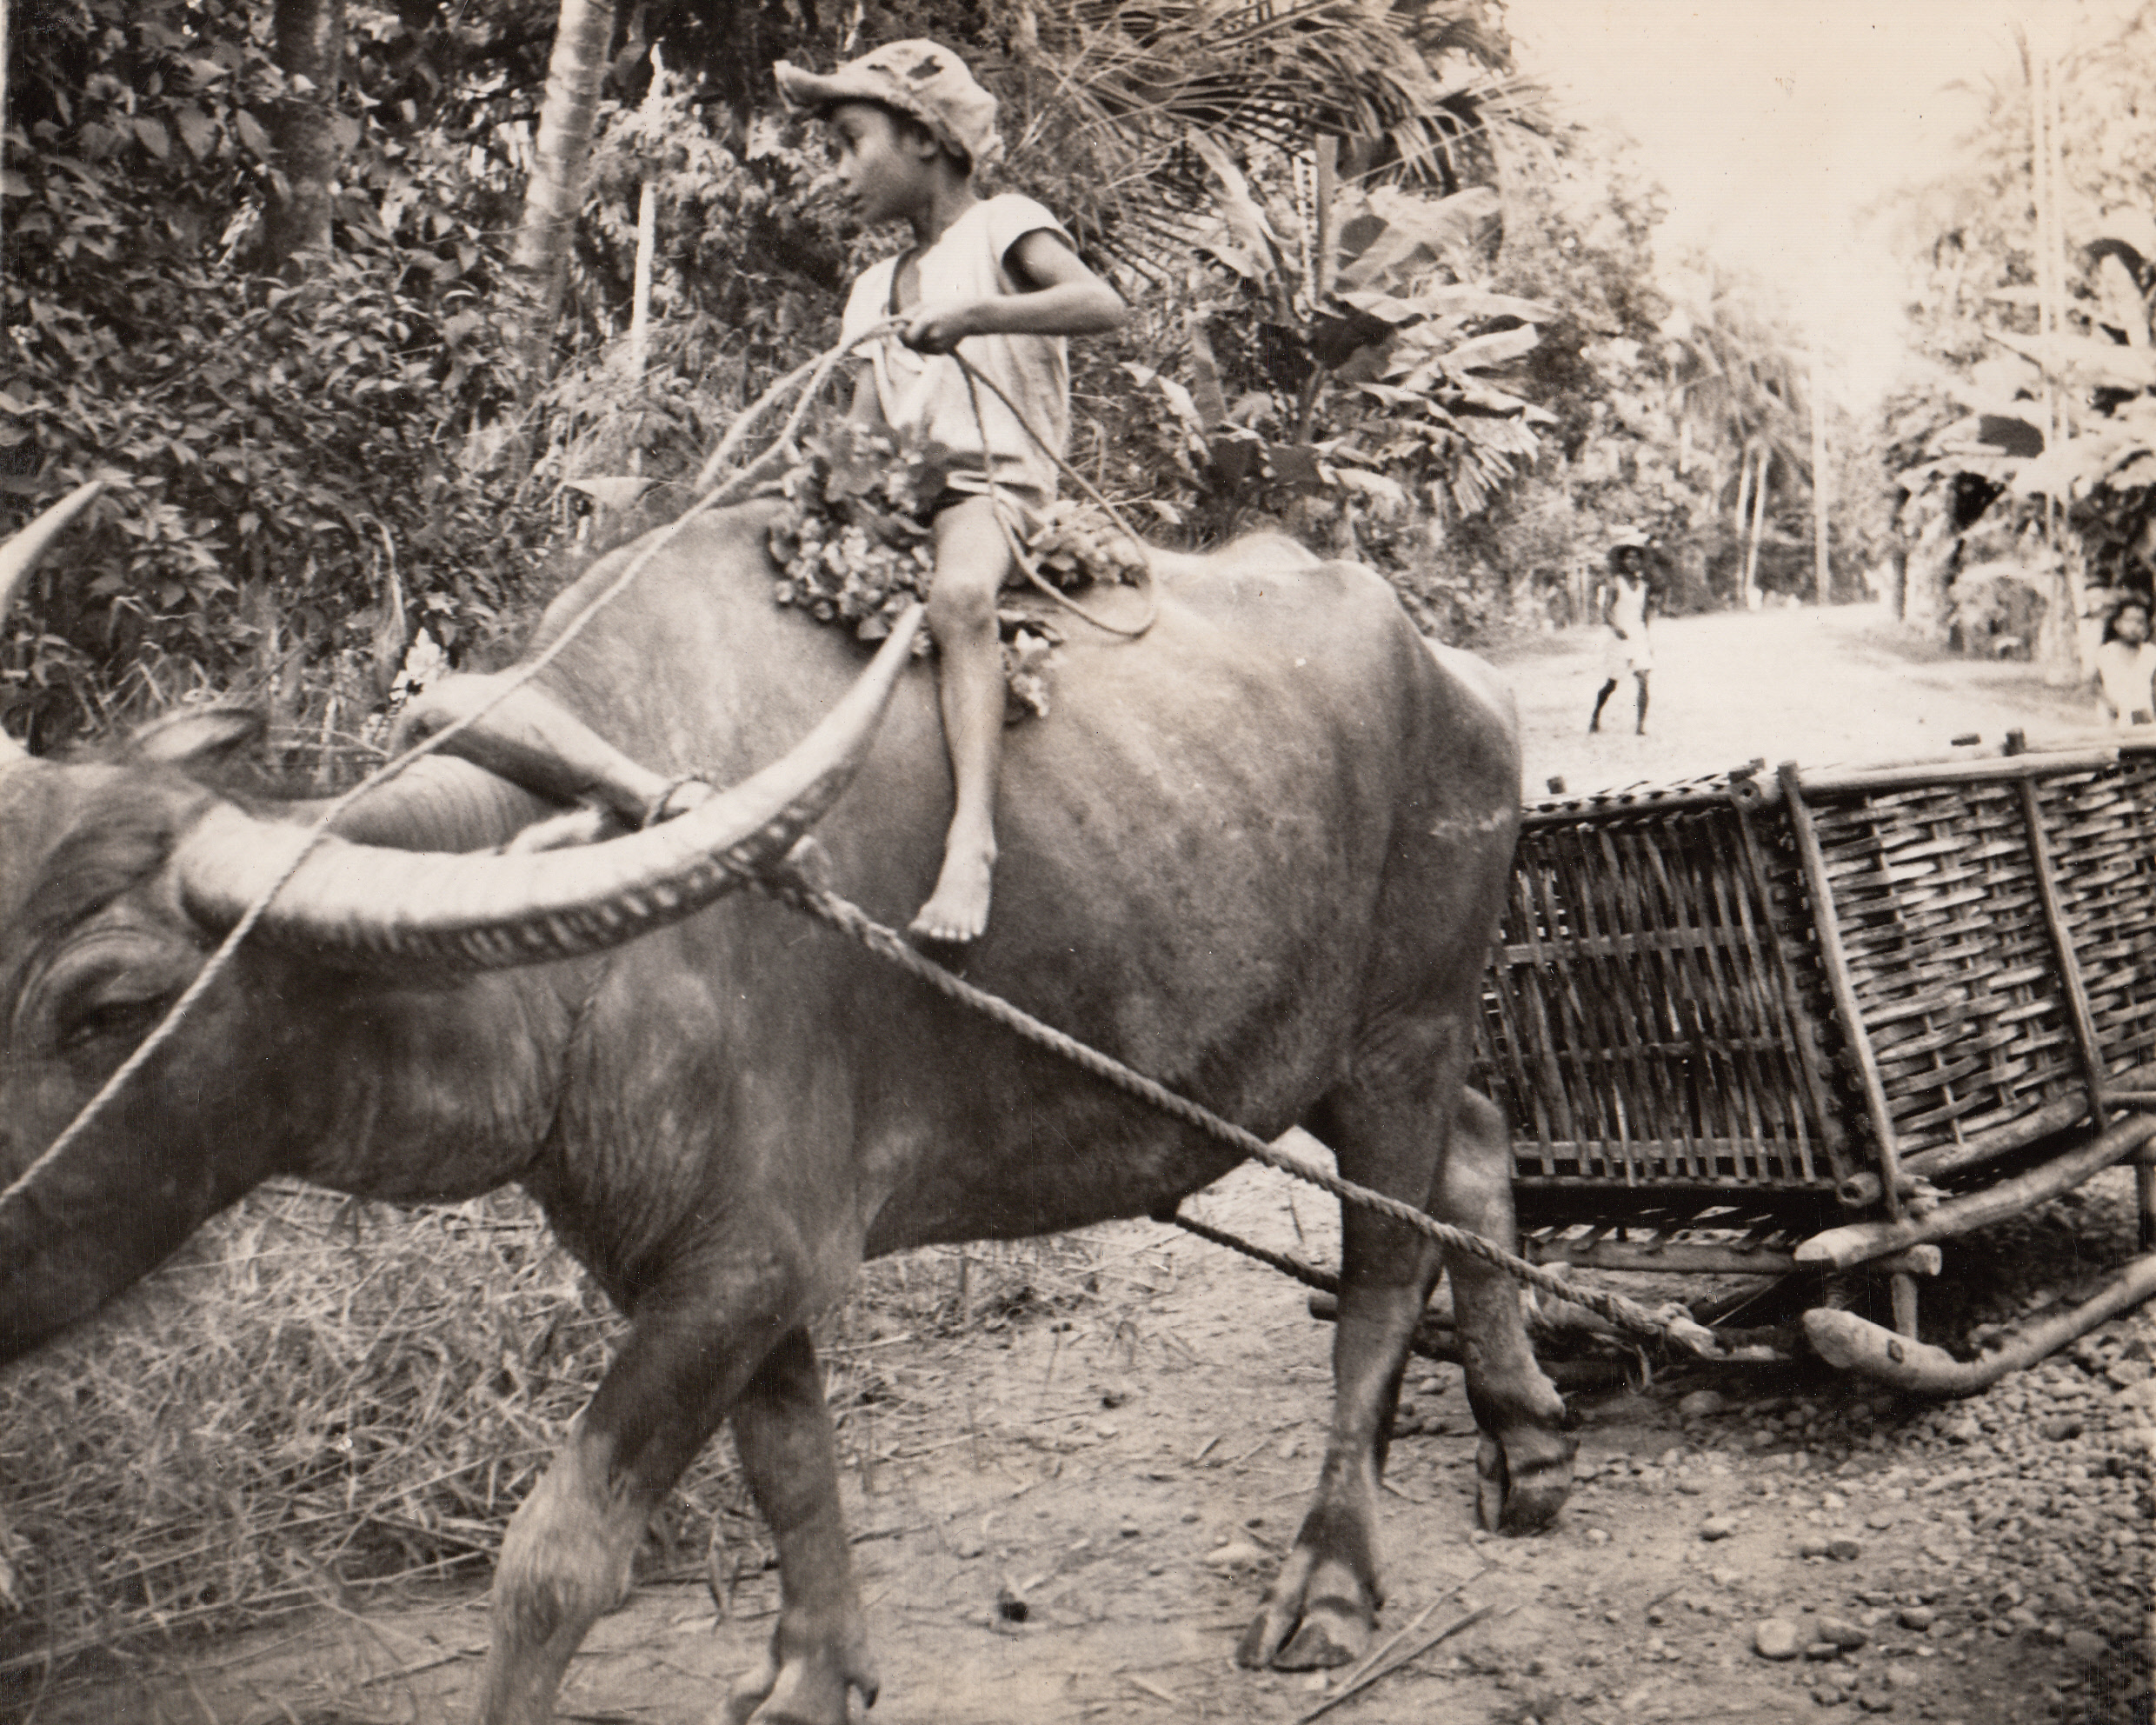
(1031, 502)
(1031, 506)
(1633, 653)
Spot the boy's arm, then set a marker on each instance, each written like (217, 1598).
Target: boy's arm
(1067, 299)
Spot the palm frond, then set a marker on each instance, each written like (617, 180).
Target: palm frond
(1107, 91)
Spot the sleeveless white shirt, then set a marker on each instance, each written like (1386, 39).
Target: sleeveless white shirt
(928, 392)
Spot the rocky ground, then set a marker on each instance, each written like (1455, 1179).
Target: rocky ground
(1069, 1515)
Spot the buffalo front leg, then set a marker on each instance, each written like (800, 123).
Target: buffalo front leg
(820, 1649)
(565, 1560)
(1523, 1459)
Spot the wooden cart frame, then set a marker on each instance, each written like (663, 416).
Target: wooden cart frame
(1815, 1024)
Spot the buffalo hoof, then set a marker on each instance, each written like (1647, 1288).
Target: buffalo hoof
(1317, 1616)
(1520, 1489)
(804, 1692)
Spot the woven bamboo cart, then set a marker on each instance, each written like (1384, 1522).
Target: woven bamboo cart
(1813, 1025)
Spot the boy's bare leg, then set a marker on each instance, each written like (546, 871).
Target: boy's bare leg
(1640, 677)
(531, 741)
(971, 561)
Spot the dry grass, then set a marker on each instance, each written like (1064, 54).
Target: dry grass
(321, 1398)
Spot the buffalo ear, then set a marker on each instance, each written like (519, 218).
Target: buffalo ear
(200, 739)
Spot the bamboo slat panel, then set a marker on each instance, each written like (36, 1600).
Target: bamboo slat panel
(1646, 1024)
(1657, 1022)
(2103, 829)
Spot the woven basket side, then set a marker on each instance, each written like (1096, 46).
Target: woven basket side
(1956, 979)
(1638, 1023)
(2102, 829)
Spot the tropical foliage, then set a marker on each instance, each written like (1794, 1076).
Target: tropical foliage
(1380, 300)
(291, 492)
(2021, 425)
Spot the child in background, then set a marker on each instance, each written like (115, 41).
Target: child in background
(1000, 277)
(1629, 600)
(2125, 668)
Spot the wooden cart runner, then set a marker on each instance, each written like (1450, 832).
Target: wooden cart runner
(1821, 1021)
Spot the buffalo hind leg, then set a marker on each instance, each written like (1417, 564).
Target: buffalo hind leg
(1523, 1459)
(1323, 1604)
(1321, 1608)
(820, 1649)
(565, 1560)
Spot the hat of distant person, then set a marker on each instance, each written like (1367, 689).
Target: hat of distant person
(918, 77)
(1628, 539)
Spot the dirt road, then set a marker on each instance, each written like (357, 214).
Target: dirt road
(1819, 688)
(1069, 1517)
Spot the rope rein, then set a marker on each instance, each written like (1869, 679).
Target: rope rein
(714, 495)
(849, 919)
(1026, 563)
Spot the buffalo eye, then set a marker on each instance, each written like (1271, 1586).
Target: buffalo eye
(109, 1014)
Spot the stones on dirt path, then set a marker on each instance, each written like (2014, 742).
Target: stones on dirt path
(1717, 1528)
(1842, 1633)
(1238, 1554)
(1776, 1638)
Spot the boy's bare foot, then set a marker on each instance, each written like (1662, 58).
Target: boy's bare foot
(957, 911)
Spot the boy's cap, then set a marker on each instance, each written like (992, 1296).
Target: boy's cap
(922, 78)
(1630, 539)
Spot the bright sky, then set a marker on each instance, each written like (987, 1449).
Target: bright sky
(1773, 123)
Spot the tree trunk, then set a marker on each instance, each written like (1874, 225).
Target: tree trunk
(540, 260)
(1758, 526)
(1326, 152)
(639, 349)
(309, 43)
(1822, 570)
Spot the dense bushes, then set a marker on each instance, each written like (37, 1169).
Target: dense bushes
(299, 467)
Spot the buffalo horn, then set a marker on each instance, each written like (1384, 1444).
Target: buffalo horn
(20, 555)
(397, 910)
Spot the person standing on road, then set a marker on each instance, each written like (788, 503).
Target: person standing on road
(2125, 668)
(1627, 602)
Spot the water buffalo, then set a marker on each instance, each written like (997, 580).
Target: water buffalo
(1258, 855)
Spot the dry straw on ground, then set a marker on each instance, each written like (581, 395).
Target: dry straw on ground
(321, 1398)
